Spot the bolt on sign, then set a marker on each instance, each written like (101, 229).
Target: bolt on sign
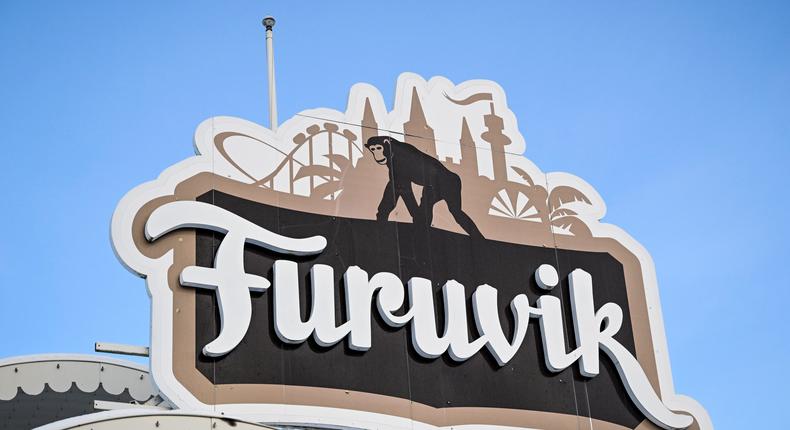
(396, 269)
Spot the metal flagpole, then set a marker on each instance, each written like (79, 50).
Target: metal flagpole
(268, 22)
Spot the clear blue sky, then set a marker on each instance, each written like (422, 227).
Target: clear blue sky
(677, 112)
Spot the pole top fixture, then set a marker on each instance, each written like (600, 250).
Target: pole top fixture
(268, 22)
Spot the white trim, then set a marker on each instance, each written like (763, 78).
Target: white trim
(120, 348)
(38, 358)
(120, 414)
(106, 405)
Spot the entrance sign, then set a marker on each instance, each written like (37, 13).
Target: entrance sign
(396, 269)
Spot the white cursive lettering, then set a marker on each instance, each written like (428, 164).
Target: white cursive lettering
(594, 329)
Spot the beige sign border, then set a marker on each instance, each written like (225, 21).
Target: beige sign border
(183, 244)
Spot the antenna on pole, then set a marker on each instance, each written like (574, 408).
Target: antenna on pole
(268, 23)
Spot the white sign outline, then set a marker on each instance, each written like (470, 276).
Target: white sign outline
(154, 270)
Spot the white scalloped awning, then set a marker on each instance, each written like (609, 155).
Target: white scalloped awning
(40, 389)
(60, 371)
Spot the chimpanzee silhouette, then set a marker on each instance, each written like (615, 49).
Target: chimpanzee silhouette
(408, 165)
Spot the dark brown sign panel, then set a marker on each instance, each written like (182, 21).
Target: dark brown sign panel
(339, 273)
(391, 367)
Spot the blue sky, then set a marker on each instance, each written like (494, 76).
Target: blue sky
(677, 112)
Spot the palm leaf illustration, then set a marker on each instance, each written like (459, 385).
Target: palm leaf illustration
(575, 225)
(520, 172)
(326, 189)
(563, 212)
(565, 194)
(340, 161)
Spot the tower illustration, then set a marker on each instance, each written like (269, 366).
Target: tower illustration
(418, 132)
(468, 165)
(498, 140)
(370, 127)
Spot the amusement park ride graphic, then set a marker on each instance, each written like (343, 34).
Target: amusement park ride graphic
(327, 167)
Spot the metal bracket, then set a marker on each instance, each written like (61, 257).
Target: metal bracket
(119, 348)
